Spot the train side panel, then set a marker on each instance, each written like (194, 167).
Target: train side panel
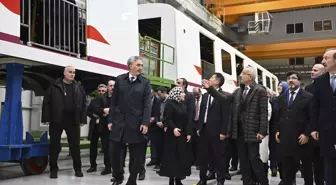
(112, 30)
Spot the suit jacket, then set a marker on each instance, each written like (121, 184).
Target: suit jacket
(325, 100)
(310, 88)
(130, 108)
(295, 119)
(217, 118)
(155, 113)
(253, 115)
(93, 114)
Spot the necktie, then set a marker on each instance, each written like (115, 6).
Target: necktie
(245, 91)
(132, 79)
(333, 82)
(292, 97)
(196, 110)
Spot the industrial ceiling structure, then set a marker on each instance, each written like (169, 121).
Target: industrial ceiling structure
(231, 11)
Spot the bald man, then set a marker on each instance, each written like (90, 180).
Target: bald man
(64, 108)
(317, 70)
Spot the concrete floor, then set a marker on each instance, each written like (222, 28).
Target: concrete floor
(66, 176)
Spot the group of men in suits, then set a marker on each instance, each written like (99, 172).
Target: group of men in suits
(129, 109)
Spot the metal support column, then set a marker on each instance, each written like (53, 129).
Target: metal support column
(31, 154)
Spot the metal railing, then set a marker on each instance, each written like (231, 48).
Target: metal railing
(155, 51)
(57, 25)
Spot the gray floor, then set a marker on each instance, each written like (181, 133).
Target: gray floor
(66, 176)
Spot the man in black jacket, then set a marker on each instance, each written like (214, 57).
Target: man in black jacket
(249, 121)
(213, 124)
(64, 107)
(129, 118)
(293, 129)
(318, 160)
(97, 129)
(325, 129)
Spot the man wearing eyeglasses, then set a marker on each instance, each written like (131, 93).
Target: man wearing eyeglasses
(294, 127)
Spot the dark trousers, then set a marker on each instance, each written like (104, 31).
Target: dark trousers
(72, 132)
(194, 145)
(330, 170)
(136, 159)
(234, 153)
(290, 167)
(158, 142)
(273, 151)
(94, 146)
(211, 151)
(318, 166)
(248, 153)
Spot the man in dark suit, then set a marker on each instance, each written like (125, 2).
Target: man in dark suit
(162, 92)
(129, 118)
(212, 129)
(325, 129)
(195, 115)
(248, 123)
(155, 113)
(318, 161)
(98, 129)
(293, 130)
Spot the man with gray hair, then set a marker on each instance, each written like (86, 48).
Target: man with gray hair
(249, 123)
(64, 107)
(324, 91)
(129, 118)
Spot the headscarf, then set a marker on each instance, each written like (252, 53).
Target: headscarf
(284, 87)
(175, 94)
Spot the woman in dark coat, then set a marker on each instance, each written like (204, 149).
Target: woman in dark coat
(176, 160)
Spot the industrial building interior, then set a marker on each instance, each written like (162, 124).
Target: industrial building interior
(280, 35)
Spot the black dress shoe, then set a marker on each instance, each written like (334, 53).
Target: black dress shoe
(142, 175)
(156, 168)
(211, 176)
(220, 183)
(151, 163)
(79, 174)
(274, 172)
(227, 176)
(201, 182)
(53, 174)
(233, 169)
(91, 170)
(117, 182)
(106, 171)
(113, 179)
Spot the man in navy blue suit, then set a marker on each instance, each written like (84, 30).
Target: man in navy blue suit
(325, 128)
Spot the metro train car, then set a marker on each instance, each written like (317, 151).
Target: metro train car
(38, 38)
(199, 53)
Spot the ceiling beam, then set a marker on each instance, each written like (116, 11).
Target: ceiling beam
(274, 6)
(289, 50)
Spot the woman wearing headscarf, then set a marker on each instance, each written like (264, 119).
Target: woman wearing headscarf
(176, 163)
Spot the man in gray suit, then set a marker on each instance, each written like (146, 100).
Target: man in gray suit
(129, 117)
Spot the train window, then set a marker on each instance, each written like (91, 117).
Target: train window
(239, 66)
(226, 62)
(207, 56)
(268, 82)
(274, 85)
(260, 79)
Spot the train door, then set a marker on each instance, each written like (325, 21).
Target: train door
(207, 56)
(150, 48)
(239, 67)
